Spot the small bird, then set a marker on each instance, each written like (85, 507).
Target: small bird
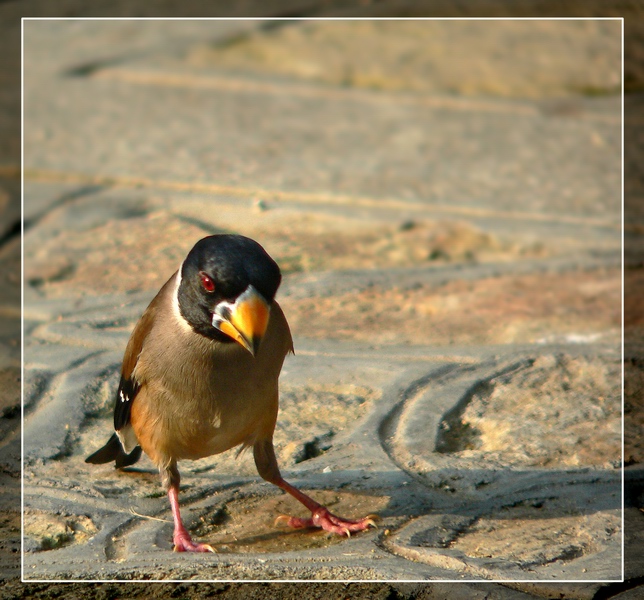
(200, 376)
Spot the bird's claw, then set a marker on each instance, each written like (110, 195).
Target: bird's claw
(371, 520)
(187, 545)
(194, 548)
(323, 519)
(282, 521)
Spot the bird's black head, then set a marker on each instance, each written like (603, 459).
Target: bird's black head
(228, 283)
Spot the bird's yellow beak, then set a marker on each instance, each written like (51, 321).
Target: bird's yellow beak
(245, 321)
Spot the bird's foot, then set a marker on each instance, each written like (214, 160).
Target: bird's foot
(321, 518)
(183, 543)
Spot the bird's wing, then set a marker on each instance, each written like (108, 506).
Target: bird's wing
(128, 389)
(129, 386)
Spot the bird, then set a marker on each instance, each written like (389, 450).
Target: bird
(200, 376)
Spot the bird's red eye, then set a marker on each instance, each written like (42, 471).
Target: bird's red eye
(207, 282)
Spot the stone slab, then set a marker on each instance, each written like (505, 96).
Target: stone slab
(372, 166)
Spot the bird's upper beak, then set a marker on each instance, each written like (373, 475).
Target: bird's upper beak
(245, 320)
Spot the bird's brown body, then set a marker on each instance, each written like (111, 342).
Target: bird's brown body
(200, 374)
(233, 401)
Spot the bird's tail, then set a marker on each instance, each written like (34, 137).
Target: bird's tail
(113, 451)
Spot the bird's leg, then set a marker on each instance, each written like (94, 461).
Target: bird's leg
(320, 517)
(181, 538)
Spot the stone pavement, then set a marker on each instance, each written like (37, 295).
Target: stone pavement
(452, 278)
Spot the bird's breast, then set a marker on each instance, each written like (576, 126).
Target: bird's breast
(204, 405)
(201, 397)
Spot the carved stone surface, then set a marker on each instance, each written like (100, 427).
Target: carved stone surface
(451, 274)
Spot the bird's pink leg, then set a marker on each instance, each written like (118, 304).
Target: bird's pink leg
(320, 516)
(181, 538)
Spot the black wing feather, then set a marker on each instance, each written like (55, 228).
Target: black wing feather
(113, 451)
(128, 389)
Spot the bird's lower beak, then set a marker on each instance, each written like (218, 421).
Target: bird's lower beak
(245, 321)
